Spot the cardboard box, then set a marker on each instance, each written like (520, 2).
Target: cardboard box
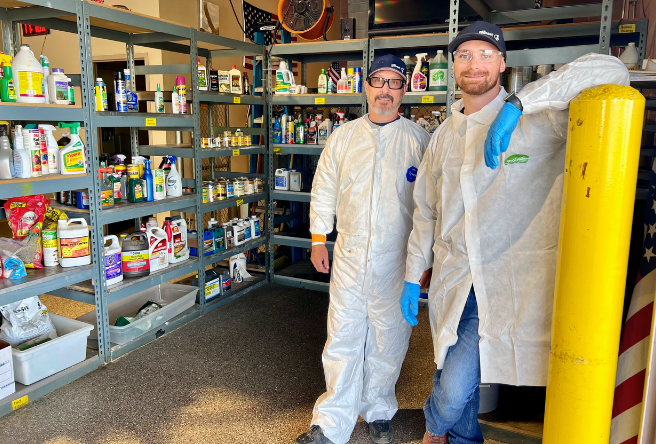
(7, 383)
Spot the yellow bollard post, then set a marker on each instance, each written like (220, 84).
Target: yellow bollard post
(601, 168)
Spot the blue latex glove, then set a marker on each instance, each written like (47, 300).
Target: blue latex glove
(410, 302)
(498, 137)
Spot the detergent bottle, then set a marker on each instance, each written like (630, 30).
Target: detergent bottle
(53, 148)
(438, 72)
(419, 80)
(284, 78)
(6, 155)
(173, 181)
(113, 265)
(72, 158)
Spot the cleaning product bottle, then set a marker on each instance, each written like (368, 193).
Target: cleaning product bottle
(113, 267)
(630, 57)
(342, 83)
(21, 155)
(53, 148)
(219, 239)
(173, 181)
(119, 164)
(284, 78)
(130, 94)
(290, 131)
(28, 77)
(148, 179)
(72, 158)
(159, 100)
(276, 131)
(179, 240)
(202, 77)
(323, 82)
(330, 89)
(409, 67)
(7, 90)
(235, 81)
(175, 101)
(120, 97)
(255, 226)
(350, 78)
(135, 190)
(181, 89)
(438, 72)
(283, 129)
(325, 130)
(73, 242)
(6, 154)
(45, 63)
(168, 229)
(158, 248)
(135, 255)
(419, 80)
(140, 161)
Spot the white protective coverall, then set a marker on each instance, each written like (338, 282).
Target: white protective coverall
(498, 229)
(366, 176)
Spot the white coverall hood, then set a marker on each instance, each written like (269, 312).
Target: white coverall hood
(366, 177)
(498, 229)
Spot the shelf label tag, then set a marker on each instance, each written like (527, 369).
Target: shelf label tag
(625, 29)
(319, 100)
(277, 149)
(151, 122)
(203, 106)
(236, 100)
(20, 402)
(240, 201)
(235, 152)
(427, 99)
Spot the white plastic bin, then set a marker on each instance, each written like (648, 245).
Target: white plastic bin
(68, 349)
(173, 298)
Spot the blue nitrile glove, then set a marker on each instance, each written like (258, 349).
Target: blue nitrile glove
(410, 302)
(498, 137)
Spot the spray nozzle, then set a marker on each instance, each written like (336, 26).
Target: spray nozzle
(74, 126)
(172, 159)
(4, 127)
(44, 61)
(119, 159)
(421, 57)
(47, 128)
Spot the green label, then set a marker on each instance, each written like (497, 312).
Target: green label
(516, 158)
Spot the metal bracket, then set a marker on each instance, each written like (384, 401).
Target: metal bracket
(605, 25)
(453, 32)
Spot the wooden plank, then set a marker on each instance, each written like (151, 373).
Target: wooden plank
(39, 179)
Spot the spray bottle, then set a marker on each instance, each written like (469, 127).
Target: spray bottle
(175, 101)
(148, 181)
(6, 155)
(119, 164)
(173, 181)
(72, 158)
(53, 148)
(46, 72)
(7, 90)
(419, 79)
(21, 156)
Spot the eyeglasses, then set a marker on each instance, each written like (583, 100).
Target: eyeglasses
(483, 56)
(379, 82)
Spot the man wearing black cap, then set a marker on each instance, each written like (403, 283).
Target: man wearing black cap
(487, 221)
(365, 177)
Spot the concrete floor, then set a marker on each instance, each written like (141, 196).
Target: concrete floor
(248, 372)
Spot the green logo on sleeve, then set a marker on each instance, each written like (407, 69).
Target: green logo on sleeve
(516, 158)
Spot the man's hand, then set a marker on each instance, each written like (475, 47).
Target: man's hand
(319, 258)
(498, 136)
(410, 302)
(424, 281)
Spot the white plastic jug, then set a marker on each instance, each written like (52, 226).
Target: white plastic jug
(282, 179)
(158, 249)
(113, 266)
(180, 244)
(28, 77)
(73, 242)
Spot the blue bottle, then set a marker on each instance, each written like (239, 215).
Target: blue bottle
(277, 132)
(148, 179)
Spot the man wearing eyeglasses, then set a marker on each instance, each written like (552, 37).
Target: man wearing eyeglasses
(365, 177)
(488, 196)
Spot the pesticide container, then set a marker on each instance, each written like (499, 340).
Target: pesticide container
(50, 249)
(72, 158)
(58, 87)
(180, 244)
(113, 267)
(28, 77)
(158, 250)
(52, 147)
(73, 242)
(135, 255)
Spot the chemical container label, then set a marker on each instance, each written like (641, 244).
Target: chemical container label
(74, 161)
(151, 122)
(277, 149)
(30, 84)
(113, 265)
(625, 29)
(49, 238)
(106, 198)
(61, 91)
(74, 247)
(235, 152)
(320, 101)
(427, 99)
(240, 201)
(20, 402)
(158, 254)
(135, 260)
(438, 77)
(212, 288)
(236, 99)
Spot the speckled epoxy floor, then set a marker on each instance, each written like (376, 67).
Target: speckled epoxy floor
(248, 372)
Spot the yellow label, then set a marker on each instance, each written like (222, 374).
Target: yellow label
(427, 99)
(240, 201)
(203, 106)
(30, 84)
(151, 122)
(236, 99)
(127, 256)
(235, 152)
(209, 288)
(319, 100)
(49, 238)
(20, 402)
(73, 247)
(625, 29)
(74, 161)
(277, 149)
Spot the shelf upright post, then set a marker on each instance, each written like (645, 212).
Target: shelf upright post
(605, 25)
(93, 164)
(367, 58)
(134, 132)
(7, 37)
(453, 32)
(268, 213)
(643, 29)
(198, 165)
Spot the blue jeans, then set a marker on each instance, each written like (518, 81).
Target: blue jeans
(452, 407)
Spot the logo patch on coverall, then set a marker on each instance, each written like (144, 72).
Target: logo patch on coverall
(516, 158)
(411, 174)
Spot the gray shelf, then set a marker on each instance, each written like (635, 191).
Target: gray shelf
(43, 280)
(140, 120)
(227, 203)
(207, 153)
(216, 257)
(300, 242)
(237, 290)
(425, 98)
(321, 51)
(50, 183)
(231, 99)
(293, 196)
(311, 99)
(179, 151)
(301, 283)
(125, 210)
(41, 113)
(297, 148)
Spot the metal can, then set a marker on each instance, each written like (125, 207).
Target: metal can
(248, 186)
(238, 187)
(133, 171)
(212, 191)
(230, 190)
(205, 194)
(221, 190)
(227, 138)
(234, 140)
(101, 95)
(216, 142)
(258, 185)
(205, 142)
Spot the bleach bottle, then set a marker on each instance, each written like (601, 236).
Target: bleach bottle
(113, 265)
(72, 158)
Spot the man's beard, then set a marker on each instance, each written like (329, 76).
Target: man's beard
(384, 111)
(478, 88)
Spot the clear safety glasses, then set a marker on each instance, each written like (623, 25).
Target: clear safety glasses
(379, 82)
(483, 56)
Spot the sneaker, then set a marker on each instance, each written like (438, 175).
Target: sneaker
(381, 431)
(430, 439)
(313, 436)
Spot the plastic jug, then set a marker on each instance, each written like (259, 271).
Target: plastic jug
(630, 57)
(135, 255)
(282, 179)
(28, 77)
(284, 78)
(438, 72)
(180, 244)
(73, 242)
(113, 267)
(158, 250)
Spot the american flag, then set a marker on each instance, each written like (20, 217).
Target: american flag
(335, 73)
(253, 16)
(634, 345)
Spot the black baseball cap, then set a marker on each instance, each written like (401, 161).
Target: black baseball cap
(390, 62)
(484, 31)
